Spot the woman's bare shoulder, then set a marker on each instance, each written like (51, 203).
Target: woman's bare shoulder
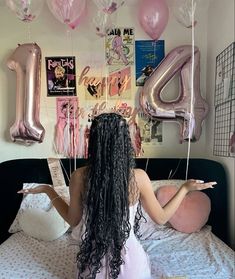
(78, 178)
(140, 173)
(141, 178)
(82, 171)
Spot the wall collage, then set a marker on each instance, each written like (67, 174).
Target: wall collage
(129, 82)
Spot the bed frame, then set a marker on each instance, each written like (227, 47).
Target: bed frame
(15, 172)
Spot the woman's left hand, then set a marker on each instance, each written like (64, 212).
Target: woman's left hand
(196, 184)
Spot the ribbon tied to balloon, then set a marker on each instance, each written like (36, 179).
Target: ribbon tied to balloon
(26, 62)
(189, 109)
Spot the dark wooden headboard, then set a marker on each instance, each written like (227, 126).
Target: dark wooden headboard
(14, 173)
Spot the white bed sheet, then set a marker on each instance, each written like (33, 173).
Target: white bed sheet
(171, 254)
(23, 257)
(199, 255)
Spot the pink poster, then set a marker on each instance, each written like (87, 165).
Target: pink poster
(67, 136)
(120, 83)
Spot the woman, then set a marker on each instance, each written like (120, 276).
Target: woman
(106, 195)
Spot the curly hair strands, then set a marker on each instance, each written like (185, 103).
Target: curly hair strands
(106, 200)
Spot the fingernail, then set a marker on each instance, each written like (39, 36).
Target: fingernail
(200, 181)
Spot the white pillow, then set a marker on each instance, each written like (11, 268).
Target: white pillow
(43, 225)
(149, 227)
(39, 201)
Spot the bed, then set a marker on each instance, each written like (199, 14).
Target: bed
(204, 254)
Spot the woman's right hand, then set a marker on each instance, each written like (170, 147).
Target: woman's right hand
(37, 190)
(195, 184)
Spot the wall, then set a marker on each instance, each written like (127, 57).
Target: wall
(220, 35)
(54, 39)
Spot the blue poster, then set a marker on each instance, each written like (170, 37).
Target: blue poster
(148, 55)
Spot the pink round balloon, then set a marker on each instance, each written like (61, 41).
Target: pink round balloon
(67, 11)
(153, 17)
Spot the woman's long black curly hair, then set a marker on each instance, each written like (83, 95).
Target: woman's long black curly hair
(110, 180)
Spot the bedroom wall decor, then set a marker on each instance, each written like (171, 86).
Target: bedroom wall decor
(67, 12)
(224, 123)
(184, 11)
(189, 109)
(26, 62)
(153, 17)
(26, 11)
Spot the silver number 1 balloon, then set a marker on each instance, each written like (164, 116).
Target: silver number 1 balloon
(26, 62)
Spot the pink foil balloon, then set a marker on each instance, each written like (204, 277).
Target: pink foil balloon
(189, 109)
(67, 11)
(25, 10)
(153, 17)
(26, 62)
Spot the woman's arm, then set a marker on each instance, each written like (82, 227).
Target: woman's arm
(71, 213)
(151, 205)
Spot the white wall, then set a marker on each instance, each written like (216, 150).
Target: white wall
(220, 33)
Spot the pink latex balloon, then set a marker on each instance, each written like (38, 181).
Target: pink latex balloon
(26, 62)
(153, 17)
(189, 110)
(67, 11)
(25, 10)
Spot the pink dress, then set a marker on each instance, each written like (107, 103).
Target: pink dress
(137, 264)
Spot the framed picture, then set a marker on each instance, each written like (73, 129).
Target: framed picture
(61, 76)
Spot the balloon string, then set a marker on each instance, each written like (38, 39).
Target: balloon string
(192, 88)
(74, 145)
(29, 32)
(154, 52)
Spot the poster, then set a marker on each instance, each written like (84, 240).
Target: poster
(119, 46)
(66, 135)
(117, 84)
(148, 55)
(61, 76)
(150, 130)
(120, 83)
